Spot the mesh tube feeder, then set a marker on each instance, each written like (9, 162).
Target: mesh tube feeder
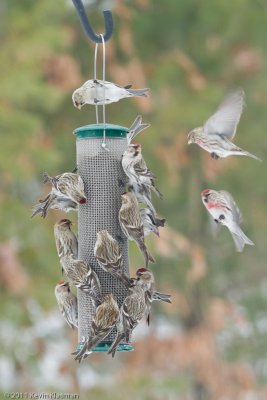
(104, 181)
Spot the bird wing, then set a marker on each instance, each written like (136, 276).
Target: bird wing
(226, 118)
(133, 230)
(238, 218)
(142, 170)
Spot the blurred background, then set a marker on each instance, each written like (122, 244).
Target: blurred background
(211, 343)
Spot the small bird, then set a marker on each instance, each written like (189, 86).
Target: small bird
(98, 92)
(106, 316)
(151, 222)
(66, 241)
(216, 134)
(136, 128)
(224, 211)
(132, 311)
(54, 202)
(82, 276)
(132, 225)
(109, 257)
(147, 281)
(142, 194)
(68, 185)
(136, 169)
(67, 303)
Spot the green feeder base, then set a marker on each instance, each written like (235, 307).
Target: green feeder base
(103, 347)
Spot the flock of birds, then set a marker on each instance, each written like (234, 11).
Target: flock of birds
(67, 192)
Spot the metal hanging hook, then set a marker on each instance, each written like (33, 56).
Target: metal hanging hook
(86, 24)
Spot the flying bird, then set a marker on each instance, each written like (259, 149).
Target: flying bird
(224, 211)
(216, 135)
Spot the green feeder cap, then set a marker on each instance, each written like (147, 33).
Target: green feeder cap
(97, 131)
(104, 346)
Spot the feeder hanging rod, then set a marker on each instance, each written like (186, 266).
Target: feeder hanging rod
(87, 26)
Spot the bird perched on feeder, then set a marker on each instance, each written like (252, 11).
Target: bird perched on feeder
(109, 257)
(151, 222)
(136, 169)
(216, 134)
(55, 203)
(66, 194)
(132, 225)
(132, 311)
(142, 194)
(98, 92)
(66, 241)
(106, 316)
(82, 276)
(136, 128)
(224, 211)
(67, 303)
(147, 281)
(68, 185)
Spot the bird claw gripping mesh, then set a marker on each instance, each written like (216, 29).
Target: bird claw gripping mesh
(104, 182)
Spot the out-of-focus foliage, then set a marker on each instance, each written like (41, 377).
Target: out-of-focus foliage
(211, 343)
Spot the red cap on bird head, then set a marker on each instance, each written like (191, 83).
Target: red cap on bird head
(205, 192)
(141, 270)
(136, 146)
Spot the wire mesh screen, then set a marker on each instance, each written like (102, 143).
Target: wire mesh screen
(104, 182)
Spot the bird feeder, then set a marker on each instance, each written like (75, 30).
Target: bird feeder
(104, 181)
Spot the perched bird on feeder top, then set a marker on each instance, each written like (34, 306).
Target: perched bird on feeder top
(82, 276)
(67, 303)
(66, 241)
(136, 169)
(109, 257)
(216, 134)
(68, 185)
(55, 203)
(106, 317)
(132, 311)
(136, 128)
(98, 92)
(224, 211)
(132, 225)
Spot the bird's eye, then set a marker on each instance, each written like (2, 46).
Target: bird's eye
(221, 217)
(205, 200)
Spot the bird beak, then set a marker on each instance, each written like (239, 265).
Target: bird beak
(79, 106)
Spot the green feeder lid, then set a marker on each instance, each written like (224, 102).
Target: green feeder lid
(103, 347)
(97, 131)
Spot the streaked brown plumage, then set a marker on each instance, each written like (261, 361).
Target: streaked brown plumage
(109, 257)
(67, 303)
(82, 276)
(132, 225)
(68, 185)
(66, 241)
(106, 316)
(132, 311)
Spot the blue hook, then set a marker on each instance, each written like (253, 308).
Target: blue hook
(86, 24)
